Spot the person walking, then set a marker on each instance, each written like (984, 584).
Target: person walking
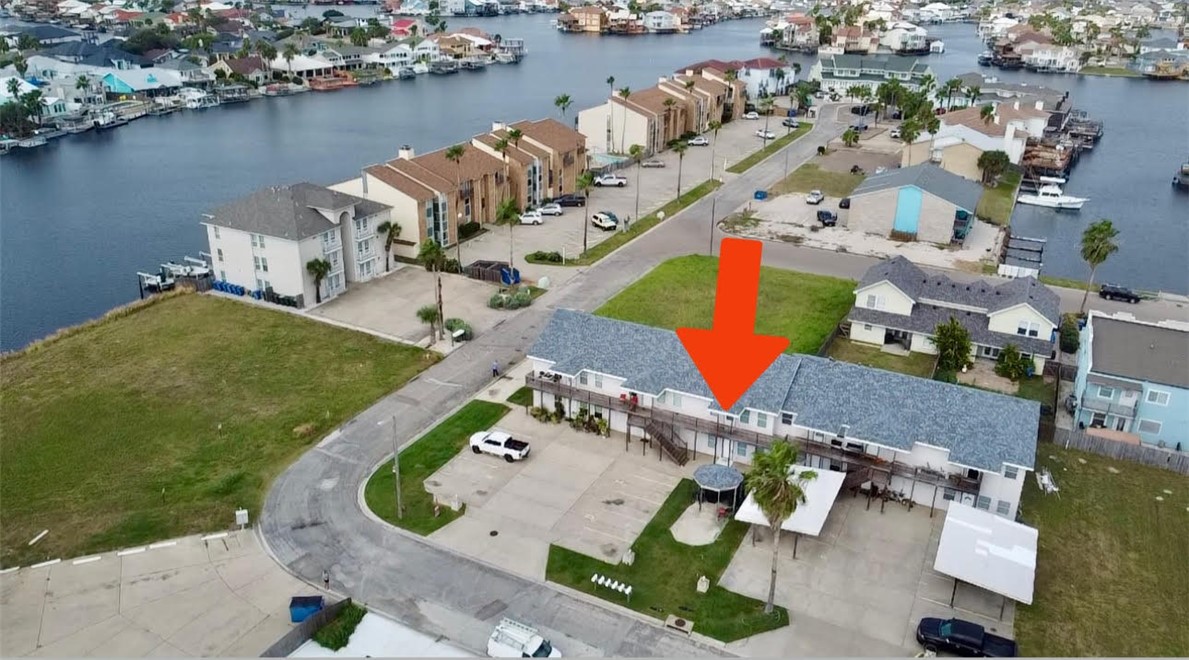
(326, 579)
(495, 369)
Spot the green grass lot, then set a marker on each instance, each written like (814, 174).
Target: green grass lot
(1037, 389)
(521, 397)
(641, 225)
(811, 177)
(996, 204)
(913, 364)
(1111, 577)
(1109, 71)
(680, 293)
(1068, 283)
(421, 459)
(160, 420)
(772, 147)
(664, 576)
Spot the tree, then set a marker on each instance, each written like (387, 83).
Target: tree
(454, 154)
(318, 269)
(508, 213)
(147, 39)
(585, 186)
(680, 149)
(765, 106)
(987, 113)
(390, 231)
(853, 91)
(358, 36)
(1012, 365)
(637, 152)
(715, 126)
(563, 102)
(624, 93)
(267, 51)
(1098, 243)
(972, 93)
(611, 84)
(433, 258)
(910, 130)
(850, 137)
(778, 494)
(953, 346)
(951, 87)
(428, 314)
(993, 164)
(289, 53)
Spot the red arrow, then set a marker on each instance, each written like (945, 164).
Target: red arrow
(730, 355)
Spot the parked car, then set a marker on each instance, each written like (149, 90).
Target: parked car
(751, 115)
(499, 443)
(963, 638)
(512, 639)
(859, 126)
(844, 203)
(699, 141)
(1116, 292)
(819, 94)
(827, 218)
(895, 134)
(552, 208)
(604, 220)
(531, 218)
(652, 162)
(814, 197)
(860, 110)
(611, 180)
(789, 122)
(572, 199)
(765, 134)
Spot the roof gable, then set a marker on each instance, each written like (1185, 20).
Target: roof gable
(290, 212)
(929, 178)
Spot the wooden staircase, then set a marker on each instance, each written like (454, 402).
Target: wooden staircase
(672, 446)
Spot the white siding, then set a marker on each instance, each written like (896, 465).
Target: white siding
(891, 299)
(999, 488)
(1008, 320)
(238, 265)
(922, 343)
(860, 332)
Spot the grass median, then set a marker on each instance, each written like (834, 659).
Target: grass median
(996, 204)
(665, 574)
(163, 418)
(680, 293)
(1114, 71)
(420, 460)
(772, 147)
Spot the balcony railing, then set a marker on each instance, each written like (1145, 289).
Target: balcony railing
(643, 416)
(1107, 406)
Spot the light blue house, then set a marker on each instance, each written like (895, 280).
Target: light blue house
(1133, 377)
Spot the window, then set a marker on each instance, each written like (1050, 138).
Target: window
(598, 380)
(740, 449)
(676, 400)
(745, 417)
(257, 241)
(875, 302)
(1149, 426)
(582, 378)
(219, 253)
(983, 502)
(1010, 472)
(1003, 507)
(1028, 329)
(223, 275)
(661, 398)
(762, 420)
(950, 495)
(1105, 392)
(216, 230)
(787, 418)
(1157, 397)
(262, 284)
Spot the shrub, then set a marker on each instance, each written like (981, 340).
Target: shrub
(454, 325)
(337, 633)
(522, 298)
(468, 229)
(1013, 365)
(452, 266)
(1070, 338)
(549, 257)
(497, 301)
(945, 376)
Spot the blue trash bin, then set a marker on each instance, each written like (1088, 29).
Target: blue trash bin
(761, 195)
(303, 607)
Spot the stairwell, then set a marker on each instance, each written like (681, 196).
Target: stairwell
(672, 446)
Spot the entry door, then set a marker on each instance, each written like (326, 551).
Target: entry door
(722, 451)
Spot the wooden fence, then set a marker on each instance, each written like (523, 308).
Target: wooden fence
(1162, 458)
(300, 633)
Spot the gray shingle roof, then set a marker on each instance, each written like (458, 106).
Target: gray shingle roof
(926, 318)
(289, 212)
(981, 429)
(1140, 351)
(928, 177)
(897, 63)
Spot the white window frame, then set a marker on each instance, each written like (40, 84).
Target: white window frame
(745, 416)
(583, 378)
(1156, 401)
(675, 400)
(599, 380)
(1139, 427)
(1003, 508)
(740, 449)
(762, 420)
(867, 327)
(876, 302)
(219, 252)
(788, 418)
(1011, 472)
(982, 502)
(216, 228)
(1104, 388)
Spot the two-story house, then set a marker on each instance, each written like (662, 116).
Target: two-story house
(965, 135)
(1133, 378)
(264, 241)
(797, 32)
(897, 302)
(589, 19)
(660, 22)
(392, 56)
(649, 117)
(838, 73)
(935, 442)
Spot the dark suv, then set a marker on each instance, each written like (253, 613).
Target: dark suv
(571, 200)
(827, 218)
(1113, 292)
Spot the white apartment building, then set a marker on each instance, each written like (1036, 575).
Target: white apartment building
(264, 241)
(936, 442)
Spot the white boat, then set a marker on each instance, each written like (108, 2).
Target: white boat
(420, 68)
(1051, 196)
(202, 102)
(32, 142)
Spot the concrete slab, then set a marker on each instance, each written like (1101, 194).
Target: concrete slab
(79, 597)
(696, 527)
(22, 595)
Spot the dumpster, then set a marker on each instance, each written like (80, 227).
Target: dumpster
(761, 195)
(303, 607)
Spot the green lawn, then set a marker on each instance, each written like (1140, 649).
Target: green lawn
(421, 459)
(811, 177)
(522, 397)
(641, 225)
(161, 420)
(997, 203)
(1111, 574)
(680, 293)
(913, 364)
(1037, 389)
(1109, 71)
(772, 147)
(665, 574)
(1068, 283)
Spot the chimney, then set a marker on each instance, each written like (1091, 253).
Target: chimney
(1016, 104)
(996, 115)
(498, 126)
(405, 152)
(662, 79)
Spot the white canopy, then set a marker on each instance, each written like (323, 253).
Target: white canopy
(810, 517)
(988, 551)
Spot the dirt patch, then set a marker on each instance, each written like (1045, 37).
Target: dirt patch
(738, 221)
(844, 158)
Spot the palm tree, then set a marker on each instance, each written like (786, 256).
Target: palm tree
(433, 258)
(850, 137)
(390, 231)
(910, 130)
(950, 88)
(563, 102)
(778, 494)
(454, 154)
(670, 103)
(624, 93)
(679, 149)
(318, 269)
(765, 106)
(20, 65)
(992, 164)
(83, 83)
(428, 314)
(585, 185)
(611, 84)
(972, 93)
(636, 152)
(508, 213)
(289, 53)
(266, 51)
(1098, 243)
(987, 113)
(14, 87)
(715, 125)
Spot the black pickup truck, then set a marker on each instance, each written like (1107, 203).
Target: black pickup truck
(963, 638)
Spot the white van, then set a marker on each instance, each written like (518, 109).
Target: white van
(512, 639)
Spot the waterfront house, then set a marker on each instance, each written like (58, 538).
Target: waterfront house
(904, 37)
(150, 82)
(936, 442)
(1159, 44)
(392, 56)
(1133, 380)
(993, 90)
(252, 68)
(964, 136)
(52, 106)
(588, 18)
(191, 74)
(759, 76)
(797, 32)
(302, 66)
(405, 27)
(897, 302)
(855, 39)
(660, 21)
(838, 73)
(264, 241)
(427, 51)
(918, 203)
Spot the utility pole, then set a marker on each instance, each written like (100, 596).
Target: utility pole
(713, 206)
(400, 507)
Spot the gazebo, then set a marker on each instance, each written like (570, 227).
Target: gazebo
(717, 483)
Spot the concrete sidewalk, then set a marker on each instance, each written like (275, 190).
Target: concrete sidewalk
(218, 594)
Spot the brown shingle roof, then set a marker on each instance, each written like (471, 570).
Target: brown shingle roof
(705, 84)
(474, 165)
(651, 99)
(391, 177)
(972, 118)
(246, 66)
(552, 133)
(519, 155)
(420, 174)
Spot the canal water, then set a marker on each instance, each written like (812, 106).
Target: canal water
(79, 217)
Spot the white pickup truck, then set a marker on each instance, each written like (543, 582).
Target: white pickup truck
(499, 443)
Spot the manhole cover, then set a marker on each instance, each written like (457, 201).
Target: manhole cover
(493, 533)
(679, 622)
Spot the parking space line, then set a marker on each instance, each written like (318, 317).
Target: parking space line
(212, 537)
(46, 563)
(133, 551)
(86, 560)
(162, 544)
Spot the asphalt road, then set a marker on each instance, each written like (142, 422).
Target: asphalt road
(314, 519)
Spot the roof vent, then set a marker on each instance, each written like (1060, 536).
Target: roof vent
(842, 431)
(405, 152)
